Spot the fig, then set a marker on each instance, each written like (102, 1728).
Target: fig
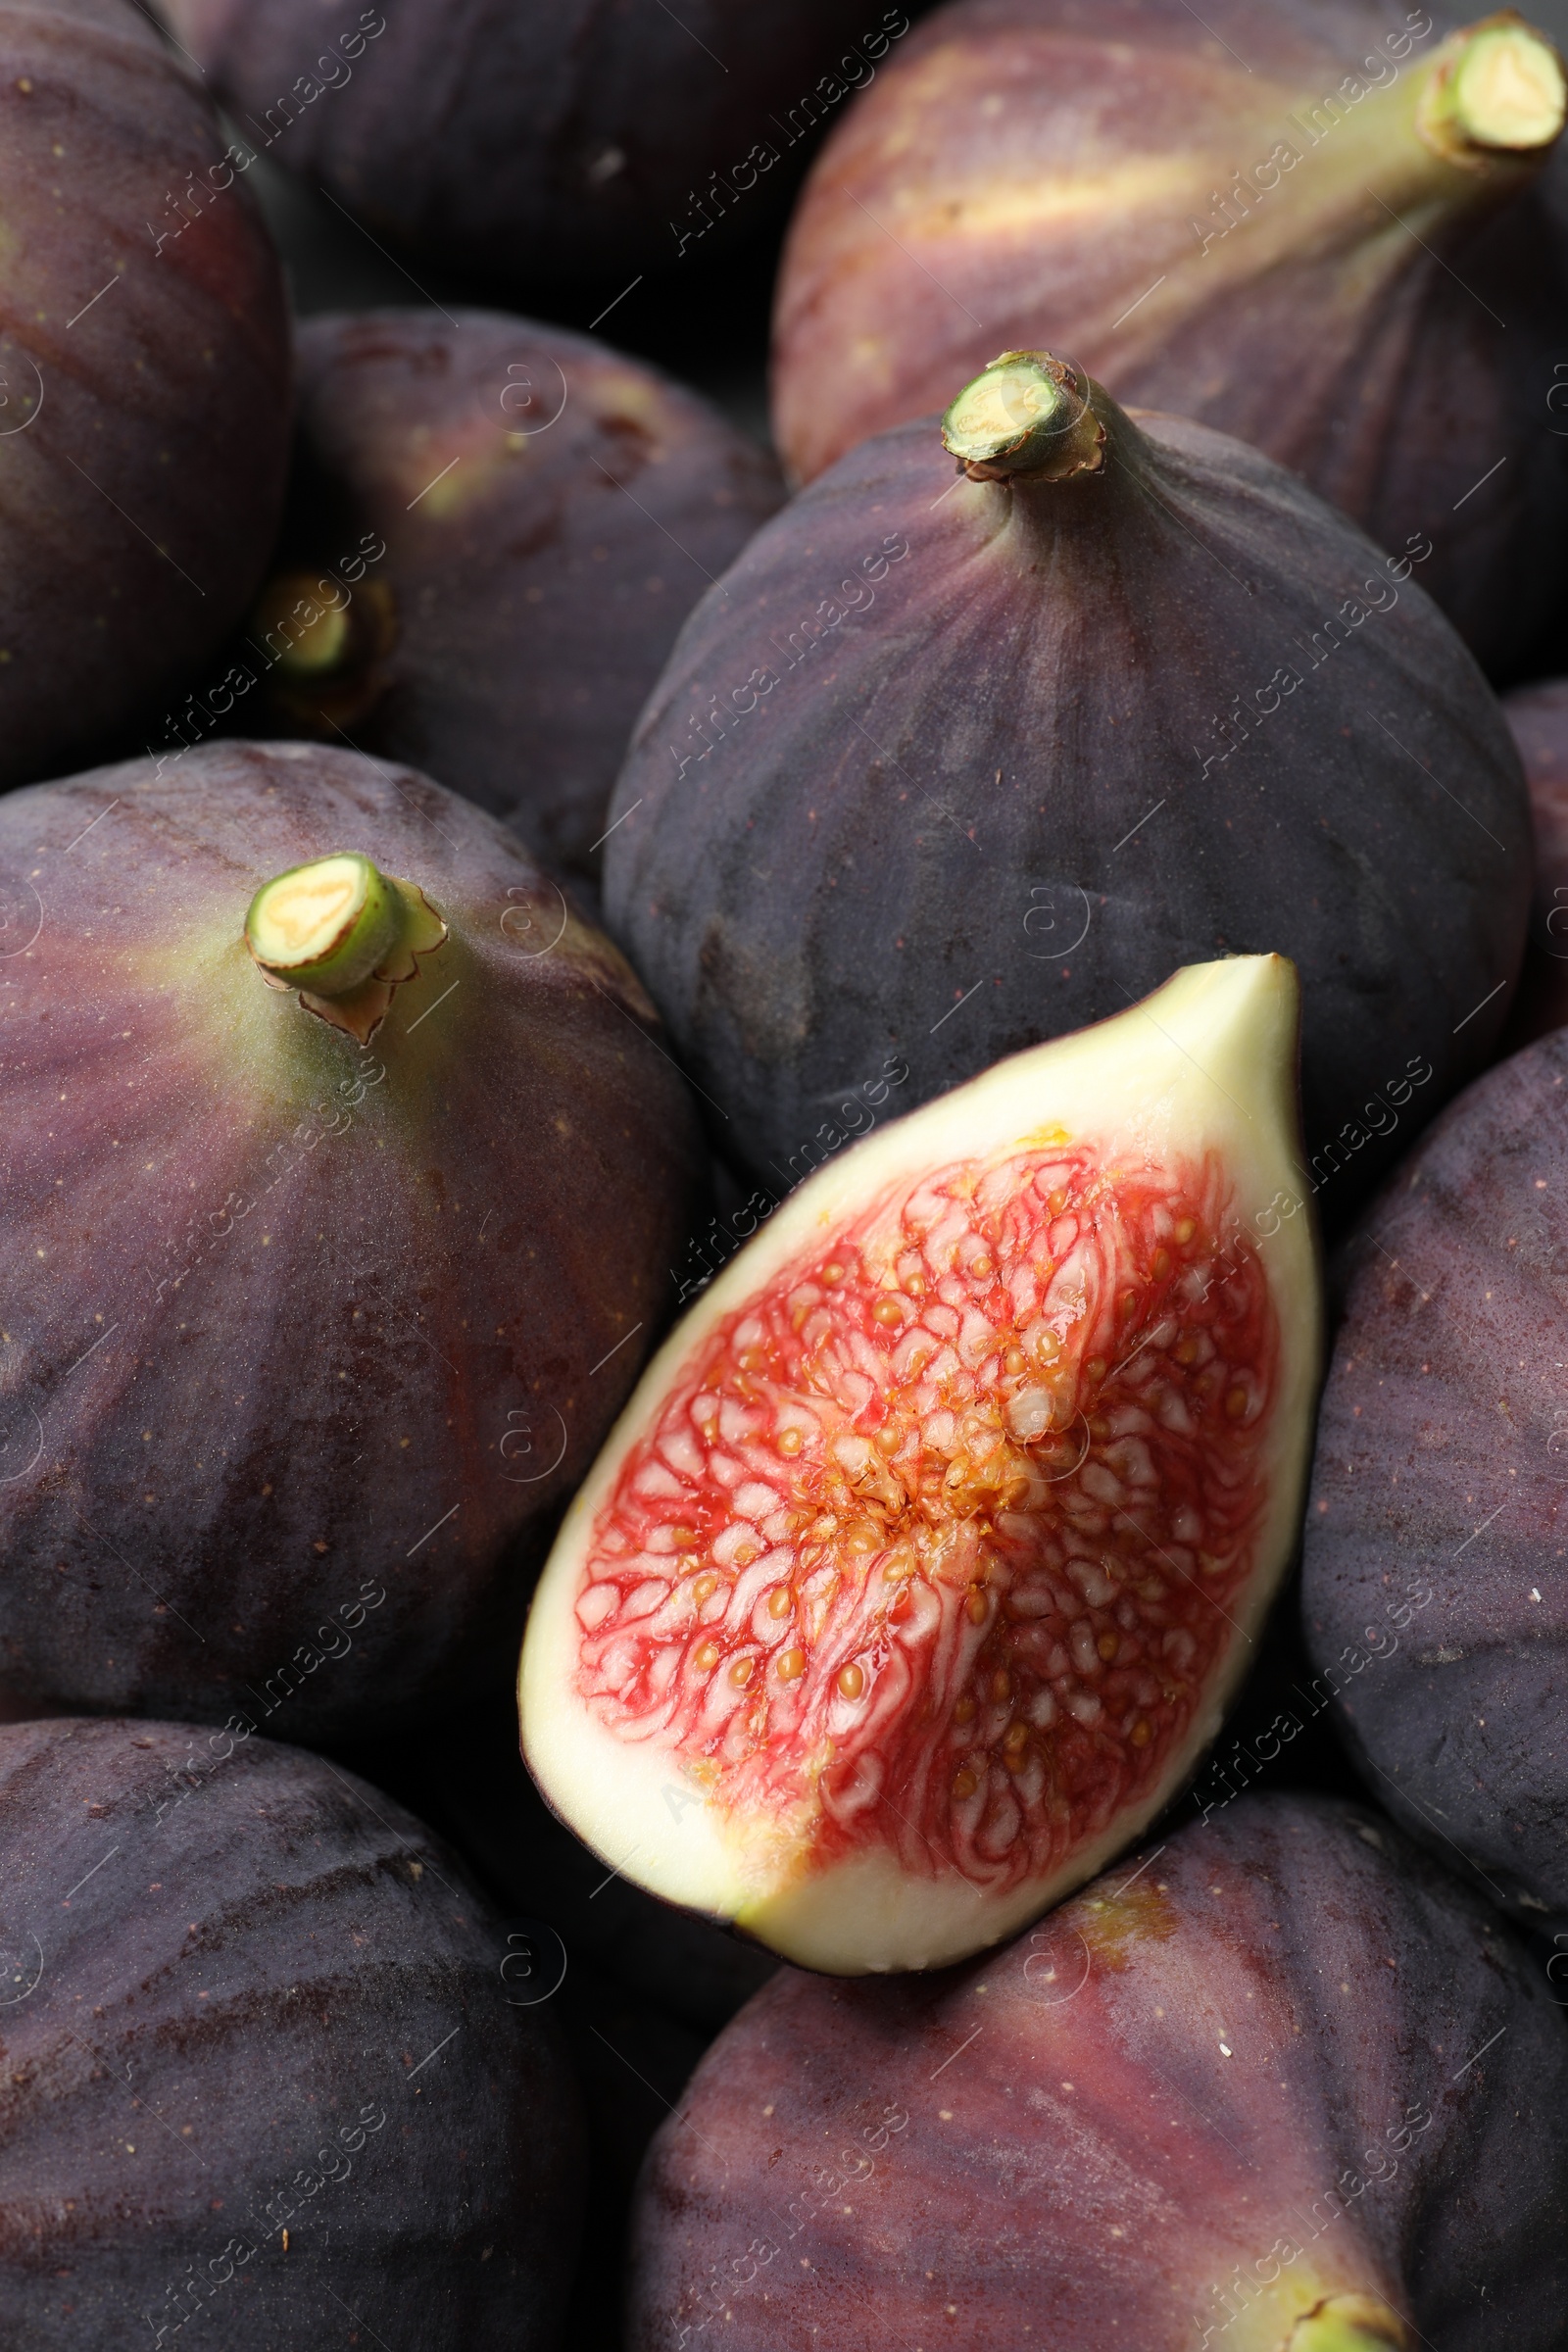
(1539, 718)
(1122, 696)
(1435, 1594)
(921, 1564)
(264, 2056)
(495, 531)
(321, 1106)
(1277, 2085)
(1321, 229)
(144, 381)
(525, 145)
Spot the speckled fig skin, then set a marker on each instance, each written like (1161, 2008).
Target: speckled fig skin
(290, 1326)
(550, 512)
(946, 767)
(527, 144)
(222, 1962)
(1537, 716)
(1379, 318)
(143, 383)
(1128, 2127)
(1435, 1588)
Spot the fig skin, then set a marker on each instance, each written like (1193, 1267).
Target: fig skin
(1537, 716)
(1085, 176)
(527, 601)
(385, 1374)
(1017, 745)
(1440, 1487)
(523, 145)
(1094, 2142)
(145, 429)
(220, 1959)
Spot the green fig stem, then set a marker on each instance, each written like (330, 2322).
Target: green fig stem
(317, 638)
(1496, 88)
(324, 926)
(1349, 2323)
(344, 934)
(1026, 415)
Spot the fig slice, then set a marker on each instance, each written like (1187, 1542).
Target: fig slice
(922, 1562)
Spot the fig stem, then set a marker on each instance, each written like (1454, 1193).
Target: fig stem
(314, 647)
(344, 934)
(1027, 414)
(1497, 87)
(324, 926)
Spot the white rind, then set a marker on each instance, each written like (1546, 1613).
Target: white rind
(1206, 1064)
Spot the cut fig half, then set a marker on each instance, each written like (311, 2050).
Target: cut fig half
(922, 1563)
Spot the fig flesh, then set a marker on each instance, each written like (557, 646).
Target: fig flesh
(1045, 738)
(1277, 2085)
(144, 383)
(1434, 1589)
(537, 514)
(264, 2066)
(921, 1564)
(1324, 230)
(319, 1105)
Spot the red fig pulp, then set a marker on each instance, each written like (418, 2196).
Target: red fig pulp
(912, 1579)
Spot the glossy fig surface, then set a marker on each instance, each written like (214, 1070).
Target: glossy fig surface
(495, 531)
(1278, 2084)
(263, 2068)
(924, 1562)
(144, 382)
(524, 144)
(946, 767)
(324, 1283)
(1320, 228)
(1434, 1586)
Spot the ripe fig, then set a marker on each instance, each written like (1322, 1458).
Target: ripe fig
(952, 767)
(1278, 2086)
(144, 381)
(920, 1566)
(1539, 718)
(343, 1171)
(526, 144)
(527, 519)
(1317, 229)
(1435, 1592)
(265, 2065)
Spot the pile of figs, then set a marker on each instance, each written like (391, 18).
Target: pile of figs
(784, 1177)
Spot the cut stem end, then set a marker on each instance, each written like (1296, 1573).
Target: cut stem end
(1498, 88)
(1025, 415)
(344, 934)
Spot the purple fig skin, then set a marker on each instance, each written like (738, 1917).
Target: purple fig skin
(305, 1343)
(1537, 716)
(550, 513)
(944, 768)
(521, 145)
(1243, 2073)
(222, 1962)
(1108, 179)
(145, 378)
(1435, 1592)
